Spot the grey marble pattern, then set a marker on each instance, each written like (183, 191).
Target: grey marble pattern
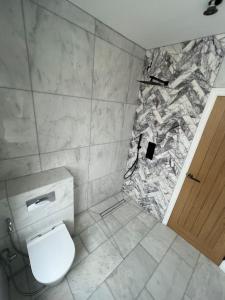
(107, 121)
(104, 187)
(111, 72)
(69, 11)
(61, 291)
(82, 222)
(69, 125)
(93, 237)
(75, 161)
(16, 167)
(169, 116)
(91, 272)
(110, 35)
(107, 158)
(81, 251)
(125, 213)
(102, 293)
(61, 54)
(170, 278)
(145, 295)
(129, 278)
(80, 198)
(128, 122)
(17, 124)
(13, 54)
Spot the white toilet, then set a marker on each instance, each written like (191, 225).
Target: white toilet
(51, 255)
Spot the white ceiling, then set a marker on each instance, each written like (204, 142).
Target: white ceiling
(153, 23)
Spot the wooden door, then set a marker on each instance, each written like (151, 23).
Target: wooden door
(199, 213)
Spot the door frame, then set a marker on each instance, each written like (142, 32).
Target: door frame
(215, 92)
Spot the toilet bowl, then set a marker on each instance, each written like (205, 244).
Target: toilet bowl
(51, 255)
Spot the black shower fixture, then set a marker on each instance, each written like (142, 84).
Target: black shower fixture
(212, 7)
(155, 81)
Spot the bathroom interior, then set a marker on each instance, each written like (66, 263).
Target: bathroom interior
(112, 140)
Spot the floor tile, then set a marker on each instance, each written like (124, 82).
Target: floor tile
(207, 281)
(81, 252)
(109, 225)
(145, 295)
(158, 241)
(59, 292)
(146, 218)
(170, 278)
(186, 297)
(102, 293)
(92, 271)
(92, 237)
(129, 236)
(125, 213)
(127, 281)
(186, 251)
(21, 281)
(83, 221)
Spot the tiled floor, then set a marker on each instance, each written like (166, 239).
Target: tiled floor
(129, 255)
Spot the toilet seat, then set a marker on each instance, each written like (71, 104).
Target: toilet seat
(51, 254)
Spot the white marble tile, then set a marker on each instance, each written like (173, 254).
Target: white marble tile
(145, 295)
(139, 51)
(92, 271)
(59, 292)
(128, 122)
(109, 225)
(107, 121)
(61, 54)
(4, 210)
(130, 235)
(92, 237)
(107, 158)
(80, 198)
(16, 167)
(207, 281)
(102, 206)
(170, 278)
(103, 188)
(69, 11)
(69, 125)
(13, 54)
(17, 124)
(75, 161)
(109, 35)
(65, 215)
(158, 241)
(82, 222)
(111, 72)
(127, 281)
(125, 213)
(136, 74)
(186, 251)
(102, 293)
(81, 252)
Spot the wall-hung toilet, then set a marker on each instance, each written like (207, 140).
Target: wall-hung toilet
(51, 255)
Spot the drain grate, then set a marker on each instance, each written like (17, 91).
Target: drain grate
(111, 208)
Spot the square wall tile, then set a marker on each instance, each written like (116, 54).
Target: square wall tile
(105, 187)
(107, 158)
(110, 35)
(107, 121)
(13, 53)
(61, 54)
(16, 167)
(75, 161)
(17, 124)
(112, 68)
(70, 12)
(136, 74)
(62, 122)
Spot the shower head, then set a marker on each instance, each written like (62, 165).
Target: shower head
(212, 7)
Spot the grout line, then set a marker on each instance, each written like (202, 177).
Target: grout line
(91, 33)
(30, 77)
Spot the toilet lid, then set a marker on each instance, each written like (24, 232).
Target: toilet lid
(51, 254)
